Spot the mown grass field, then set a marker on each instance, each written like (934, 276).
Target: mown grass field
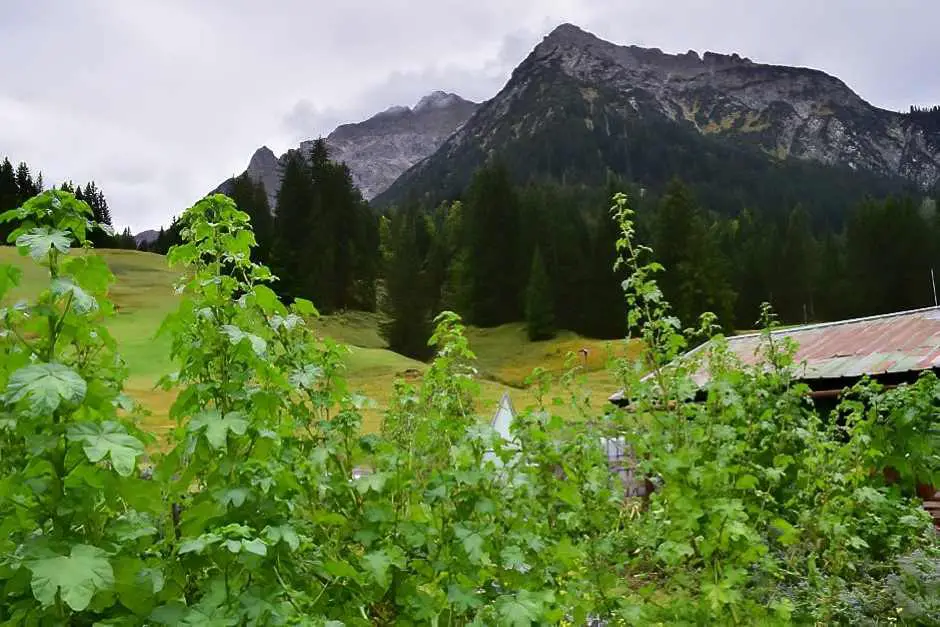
(143, 295)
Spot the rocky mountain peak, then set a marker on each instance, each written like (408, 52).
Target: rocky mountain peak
(437, 100)
(573, 82)
(570, 34)
(377, 150)
(577, 49)
(264, 168)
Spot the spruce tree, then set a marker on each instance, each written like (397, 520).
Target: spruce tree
(493, 229)
(9, 196)
(292, 229)
(251, 198)
(539, 308)
(405, 299)
(24, 183)
(686, 242)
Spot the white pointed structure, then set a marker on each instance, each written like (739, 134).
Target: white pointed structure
(502, 420)
(502, 425)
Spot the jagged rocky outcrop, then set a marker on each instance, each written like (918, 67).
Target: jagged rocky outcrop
(146, 237)
(610, 103)
(377, 150)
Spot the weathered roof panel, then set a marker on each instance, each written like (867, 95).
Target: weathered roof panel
(907, 341)
(898, 342)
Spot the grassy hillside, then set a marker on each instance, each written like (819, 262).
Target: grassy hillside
(143, 295)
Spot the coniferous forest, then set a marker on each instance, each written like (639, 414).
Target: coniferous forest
(17, 185)
(542, 252)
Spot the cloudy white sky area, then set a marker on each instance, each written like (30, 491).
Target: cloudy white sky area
(160, 100)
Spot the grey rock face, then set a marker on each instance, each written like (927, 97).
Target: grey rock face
(146, 237)
(266, 168)
(787, 112)
(790, 112)
(377, 150)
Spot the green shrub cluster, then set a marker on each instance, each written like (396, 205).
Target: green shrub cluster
(269, 507)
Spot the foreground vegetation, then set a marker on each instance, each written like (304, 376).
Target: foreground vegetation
(764, 512)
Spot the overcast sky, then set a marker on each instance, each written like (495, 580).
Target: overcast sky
(160, 100)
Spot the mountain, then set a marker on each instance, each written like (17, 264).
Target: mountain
(579, 107)
(146, 237)
(377, 150)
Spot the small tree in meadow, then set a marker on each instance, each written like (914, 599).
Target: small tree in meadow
(539, 309)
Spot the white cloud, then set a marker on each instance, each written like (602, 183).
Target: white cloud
(160, 100)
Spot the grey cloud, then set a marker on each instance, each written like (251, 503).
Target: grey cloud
(305, 121)
(160, 100)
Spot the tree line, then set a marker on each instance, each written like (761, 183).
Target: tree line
(544, 253)
(321, 242)
(17, 185)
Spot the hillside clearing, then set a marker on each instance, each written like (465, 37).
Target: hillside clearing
(143, 295)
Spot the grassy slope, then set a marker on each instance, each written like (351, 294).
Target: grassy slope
(143, 295)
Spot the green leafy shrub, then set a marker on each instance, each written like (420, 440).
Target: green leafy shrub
(270, 507)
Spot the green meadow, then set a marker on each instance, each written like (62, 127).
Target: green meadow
(143, 295)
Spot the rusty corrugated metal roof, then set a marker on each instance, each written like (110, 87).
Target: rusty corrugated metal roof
(906, 341)
(899, 342)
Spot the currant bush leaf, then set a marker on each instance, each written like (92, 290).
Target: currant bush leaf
(82, 301)
(216, 427)
(76, 578)
(46, 386)
(39, 241)
(109, 439)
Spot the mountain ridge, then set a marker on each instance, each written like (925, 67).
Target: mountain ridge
(377, 150)
(788, 114)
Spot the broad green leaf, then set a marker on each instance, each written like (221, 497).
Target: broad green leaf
(519, 611)
(123, 401)
(374, 482)
(306, 377)
(266, 298)
(674, 552)
(566, 553)
(304, 307)
(76, 577)
(462, 599)
(283, 533)
(89, 271)
(233, 497)
(45, 386)
(377, 563)
(236, 335)
(82, 301)
(473, 545)
(255, 546)
(109, 439)
(133, 525)
(788, 533)
(39, 241)
(746, 482)
(198, 545)
(9, 278)
(217, 427)
(513, 558)
(12, 214)
(338, 568)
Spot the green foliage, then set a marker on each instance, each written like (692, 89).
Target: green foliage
(686, 244)
(251, 198)
(493, 231)
(539, 308)
(405, 299)
(68, 452)
(325, 238)
(268, 506)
